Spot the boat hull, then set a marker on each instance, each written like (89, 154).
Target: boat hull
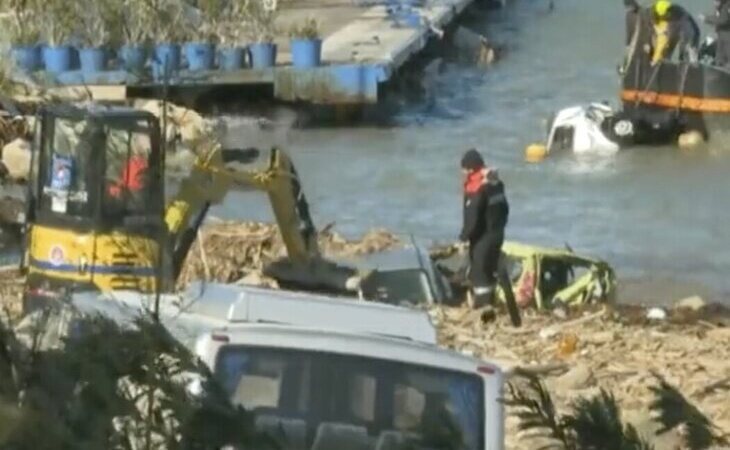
(699, 94)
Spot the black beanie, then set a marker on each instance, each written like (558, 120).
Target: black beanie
(472, 160)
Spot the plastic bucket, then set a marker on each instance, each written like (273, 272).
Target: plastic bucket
(263, 55)
(200, 55)
(57, 58)
(92, 59)
(168, 53)
(133, 57)
(27, 57)
(231, 58)
(306, 53)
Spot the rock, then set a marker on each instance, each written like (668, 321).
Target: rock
(474, 47)
(695, 303)
(560, 313)
(656, 314)
(257, 279)
(192, 128)
(579, 377)
(16, 159)
(600, 337)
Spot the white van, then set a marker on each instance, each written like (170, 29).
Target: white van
(323, 373)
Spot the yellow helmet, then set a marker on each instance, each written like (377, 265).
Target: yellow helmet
(661, 7)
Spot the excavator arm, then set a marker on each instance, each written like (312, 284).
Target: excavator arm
(215, 173)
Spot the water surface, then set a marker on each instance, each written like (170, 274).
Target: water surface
(655, 213)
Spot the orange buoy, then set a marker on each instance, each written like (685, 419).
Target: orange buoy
(535, 153)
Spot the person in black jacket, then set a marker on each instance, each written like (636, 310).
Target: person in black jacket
(721, 21)
(485, 217)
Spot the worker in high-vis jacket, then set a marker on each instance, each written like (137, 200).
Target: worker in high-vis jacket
(674, 28)
(485, 218)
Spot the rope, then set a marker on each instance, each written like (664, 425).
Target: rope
(632, 47)
(682, 86)
(642, 93)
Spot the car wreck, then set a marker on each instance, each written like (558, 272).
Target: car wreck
(543, 278)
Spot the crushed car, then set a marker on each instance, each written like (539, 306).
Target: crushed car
(542, 278)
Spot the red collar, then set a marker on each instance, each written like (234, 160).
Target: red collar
(474, 180)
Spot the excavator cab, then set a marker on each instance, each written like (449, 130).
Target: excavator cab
(95, 202)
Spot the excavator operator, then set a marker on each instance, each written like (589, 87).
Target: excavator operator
(125, 190)
(674, 27)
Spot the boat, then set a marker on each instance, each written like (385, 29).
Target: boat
(697, 94)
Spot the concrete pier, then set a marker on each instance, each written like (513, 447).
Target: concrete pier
(363, 45)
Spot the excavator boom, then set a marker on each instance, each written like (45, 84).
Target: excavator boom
(220, 170)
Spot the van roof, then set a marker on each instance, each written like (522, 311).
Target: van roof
(206, 306)
(245, 304)
(368, 346)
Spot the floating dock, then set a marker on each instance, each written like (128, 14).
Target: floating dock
(363, 46)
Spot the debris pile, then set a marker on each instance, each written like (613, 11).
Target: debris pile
(230, 252)
(11, 292)
(577, 352)
(615, 349)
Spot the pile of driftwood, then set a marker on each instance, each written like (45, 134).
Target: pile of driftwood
(613, 349)
(233, 251)
(11, 291)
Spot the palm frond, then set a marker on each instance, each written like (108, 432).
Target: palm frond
(536, 410)
(598, 426)
(674, 410)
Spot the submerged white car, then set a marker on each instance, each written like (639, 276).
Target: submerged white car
(582, 129)
(597, 128)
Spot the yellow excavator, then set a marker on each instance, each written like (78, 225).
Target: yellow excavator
(98, 219)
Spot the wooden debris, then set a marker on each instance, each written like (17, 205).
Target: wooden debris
(620, 357)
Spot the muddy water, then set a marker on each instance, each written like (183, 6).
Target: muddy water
(655, 213)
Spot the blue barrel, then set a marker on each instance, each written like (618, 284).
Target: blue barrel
(262, 55)
(92, 59)
(57, 58)
(134, 57)
(200, 55)
(169, 53)
(27, 57)
(231, 58)
(306, 53)
(411, 19)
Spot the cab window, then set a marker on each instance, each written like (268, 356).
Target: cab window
(128, 184)
(65, 188)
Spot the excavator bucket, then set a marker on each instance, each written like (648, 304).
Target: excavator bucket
(318, 275)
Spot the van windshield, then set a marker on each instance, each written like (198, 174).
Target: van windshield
(314, 400)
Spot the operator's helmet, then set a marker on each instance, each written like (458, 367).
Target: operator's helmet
(661, 9)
